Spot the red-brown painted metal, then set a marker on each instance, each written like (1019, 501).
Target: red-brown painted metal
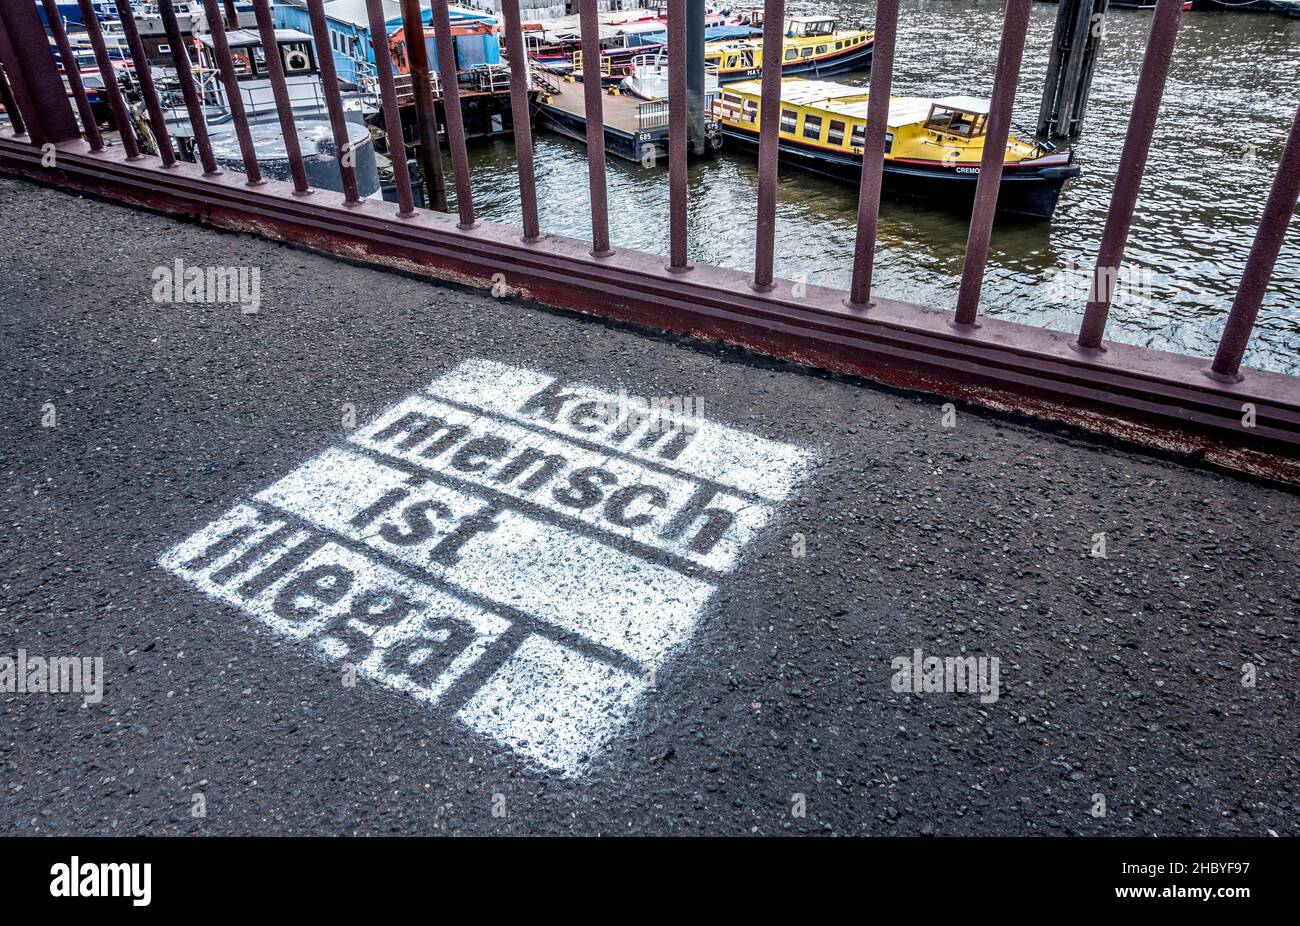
(520, 117)
(148, 90)
(7, 99)
(185, 75)
(280, 90)
(1132, 162)
(873, 152)
(232, 15)
(1015, 24)
(677, 130)
(451, 111)
(73, 74)
(1278, 211)
(18, 102)
(116, 102)
(429, 151)
(769, 126)
(392, 115)
(38, 87)
(333, 102)
(1129, 392)
(234, 97)
(595, 115)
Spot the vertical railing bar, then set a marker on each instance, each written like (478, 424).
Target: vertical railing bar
(73, 73)
(116, 102)
(451, 111)
(519, 116)
(11, 103)
(429, 149)
(677, 129)
(997, 131)
(234, 97)
(333, 100)
(232, 15)
(1132, 162)
(392, 115)
(22, 99)
(593, 95)
(1278, 210)
(769, 142)
(147, 89)
(873, 152)
(184, 74)
(280, 90)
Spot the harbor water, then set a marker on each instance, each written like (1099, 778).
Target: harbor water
(1232, 93)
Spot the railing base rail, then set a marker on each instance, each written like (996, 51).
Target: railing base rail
(1150, 397)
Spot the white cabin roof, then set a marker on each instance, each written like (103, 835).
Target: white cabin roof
(241, 38)
(852, 101)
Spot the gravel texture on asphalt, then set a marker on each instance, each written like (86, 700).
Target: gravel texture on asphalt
(1120, 676)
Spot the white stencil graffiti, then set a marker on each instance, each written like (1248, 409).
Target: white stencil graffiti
(499, 550)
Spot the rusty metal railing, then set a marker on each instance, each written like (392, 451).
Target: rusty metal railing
(958, 350)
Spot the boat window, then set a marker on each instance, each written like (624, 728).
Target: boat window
(296, 57)
(859, 139)
(806, 53)
(956, 121)
(789, 120)
(747, 59)
(889, 142)
(731, 61)
(791, 54)
(749, 111)
(812, 127)
(839, 45)
(821, 49)
(835, 132)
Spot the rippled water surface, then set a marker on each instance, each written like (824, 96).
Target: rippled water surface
(1232, 92)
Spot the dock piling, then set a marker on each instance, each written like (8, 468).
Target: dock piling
(1075, 43)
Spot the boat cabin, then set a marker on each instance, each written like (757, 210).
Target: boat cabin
(475, 41)
(965, 117)
(297, 54)
(808, 26)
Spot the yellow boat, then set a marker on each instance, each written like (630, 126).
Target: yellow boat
(933, 147)
(812, 45)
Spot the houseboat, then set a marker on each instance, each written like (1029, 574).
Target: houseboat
(812, 45)
(933, 147)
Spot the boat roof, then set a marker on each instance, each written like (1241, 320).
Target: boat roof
(242, 38)
(852, 101)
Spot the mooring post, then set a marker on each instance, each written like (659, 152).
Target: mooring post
(426, 112)
(1073, 57)
(695, 74)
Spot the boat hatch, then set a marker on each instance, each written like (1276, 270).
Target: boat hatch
(800, 26)
(953, 121)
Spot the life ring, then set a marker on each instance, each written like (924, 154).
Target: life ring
(242, 63)
(296, 61)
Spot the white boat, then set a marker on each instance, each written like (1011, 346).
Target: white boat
(649, 77)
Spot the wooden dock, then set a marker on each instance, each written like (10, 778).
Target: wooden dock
(635, 129)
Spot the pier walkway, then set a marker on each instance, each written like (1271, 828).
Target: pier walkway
(858, 525)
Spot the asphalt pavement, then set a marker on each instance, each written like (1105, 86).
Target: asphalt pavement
(1149, 690)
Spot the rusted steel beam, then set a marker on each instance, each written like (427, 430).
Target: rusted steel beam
(769, 125)
(426, 113)
(451, 111)
(116, 101)
(1132, 393)
(392, 115)
(18, 103)
(1132, 162)
(1278, 210)
(520, 118)
(234, 95)
(232, 16)
(595, 116)
(1015, 24)
(184, 74)
(873, 152)
(73, 74)
(677, 132)
(333, 102)
(280, 90)
(157, 122)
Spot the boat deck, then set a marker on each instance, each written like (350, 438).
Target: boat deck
(619, 112)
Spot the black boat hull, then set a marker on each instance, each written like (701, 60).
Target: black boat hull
(1025, 193)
